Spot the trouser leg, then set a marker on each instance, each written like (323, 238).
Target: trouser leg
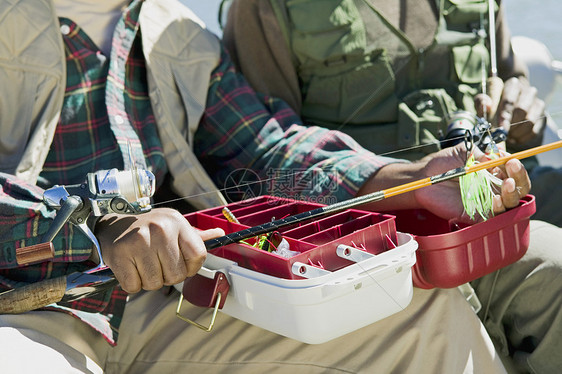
(522, 304)
(437, 333)
(49, 342)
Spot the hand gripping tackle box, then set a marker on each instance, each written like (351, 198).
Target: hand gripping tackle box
(350, 269)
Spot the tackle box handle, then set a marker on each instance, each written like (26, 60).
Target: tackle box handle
(207, 289)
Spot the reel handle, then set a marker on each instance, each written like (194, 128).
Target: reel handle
(495, 90)
(35, 253)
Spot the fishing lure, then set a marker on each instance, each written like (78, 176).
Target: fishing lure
(266, 242)
(478, 188)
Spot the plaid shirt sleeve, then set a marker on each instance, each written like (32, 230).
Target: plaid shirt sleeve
(241, 129)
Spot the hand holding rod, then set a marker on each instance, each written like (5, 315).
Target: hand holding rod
(106, 191)
(372, 197)
(70, 287)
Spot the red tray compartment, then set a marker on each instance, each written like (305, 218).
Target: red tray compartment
(316, 241)
(450, 255)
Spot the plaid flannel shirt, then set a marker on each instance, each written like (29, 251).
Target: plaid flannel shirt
(239, 130)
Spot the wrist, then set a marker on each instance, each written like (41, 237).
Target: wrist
(393, 175)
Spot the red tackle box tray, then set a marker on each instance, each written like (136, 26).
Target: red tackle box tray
(450, 254)
(315, 240)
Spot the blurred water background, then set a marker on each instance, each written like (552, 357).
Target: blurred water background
(540, 21)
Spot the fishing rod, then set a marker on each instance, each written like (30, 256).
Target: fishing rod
(494, 83)
(81, 284)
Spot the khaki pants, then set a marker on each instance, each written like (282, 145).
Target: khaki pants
(436, 333)
(522, 304)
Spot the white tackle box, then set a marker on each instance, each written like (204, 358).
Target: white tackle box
(326, 305)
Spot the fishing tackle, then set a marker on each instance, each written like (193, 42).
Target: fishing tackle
(463, 126)
(230, 217)
(477, 191)
(103, 192)
(267, 242)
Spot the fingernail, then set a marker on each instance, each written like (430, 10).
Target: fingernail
(510, 185)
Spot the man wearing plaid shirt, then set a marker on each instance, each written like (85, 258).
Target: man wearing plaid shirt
(77, 89)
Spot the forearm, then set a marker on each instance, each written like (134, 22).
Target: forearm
(508, 63)
(243, 130)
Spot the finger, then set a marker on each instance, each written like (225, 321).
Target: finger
(516, 185)
(128, 277)
(174, 269)
(535, 127)
(150, 271)
(520, 130)
(509, 193)
(499, 172)
(483, 104)
(497, 205)
(523, 104)
(192, 248)
(536, 112)
(495, 91)
(517, 172)
(211, 233)
(511, 91)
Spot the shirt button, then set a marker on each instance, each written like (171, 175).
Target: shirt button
(119, 120)
(65, 29)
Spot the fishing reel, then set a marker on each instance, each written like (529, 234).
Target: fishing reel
(463, 126)
(106, 191)
(103, 192)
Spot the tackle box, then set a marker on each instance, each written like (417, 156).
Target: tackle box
(321, 308)
(450, 254)
(352, 269)
(315, 241)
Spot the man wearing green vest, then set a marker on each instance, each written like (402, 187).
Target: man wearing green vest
(392, 74)
(389, 75)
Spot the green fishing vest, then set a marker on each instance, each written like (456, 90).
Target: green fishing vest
(361, 75)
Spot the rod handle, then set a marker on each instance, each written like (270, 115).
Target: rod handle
(32, 296)
(35, 253)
